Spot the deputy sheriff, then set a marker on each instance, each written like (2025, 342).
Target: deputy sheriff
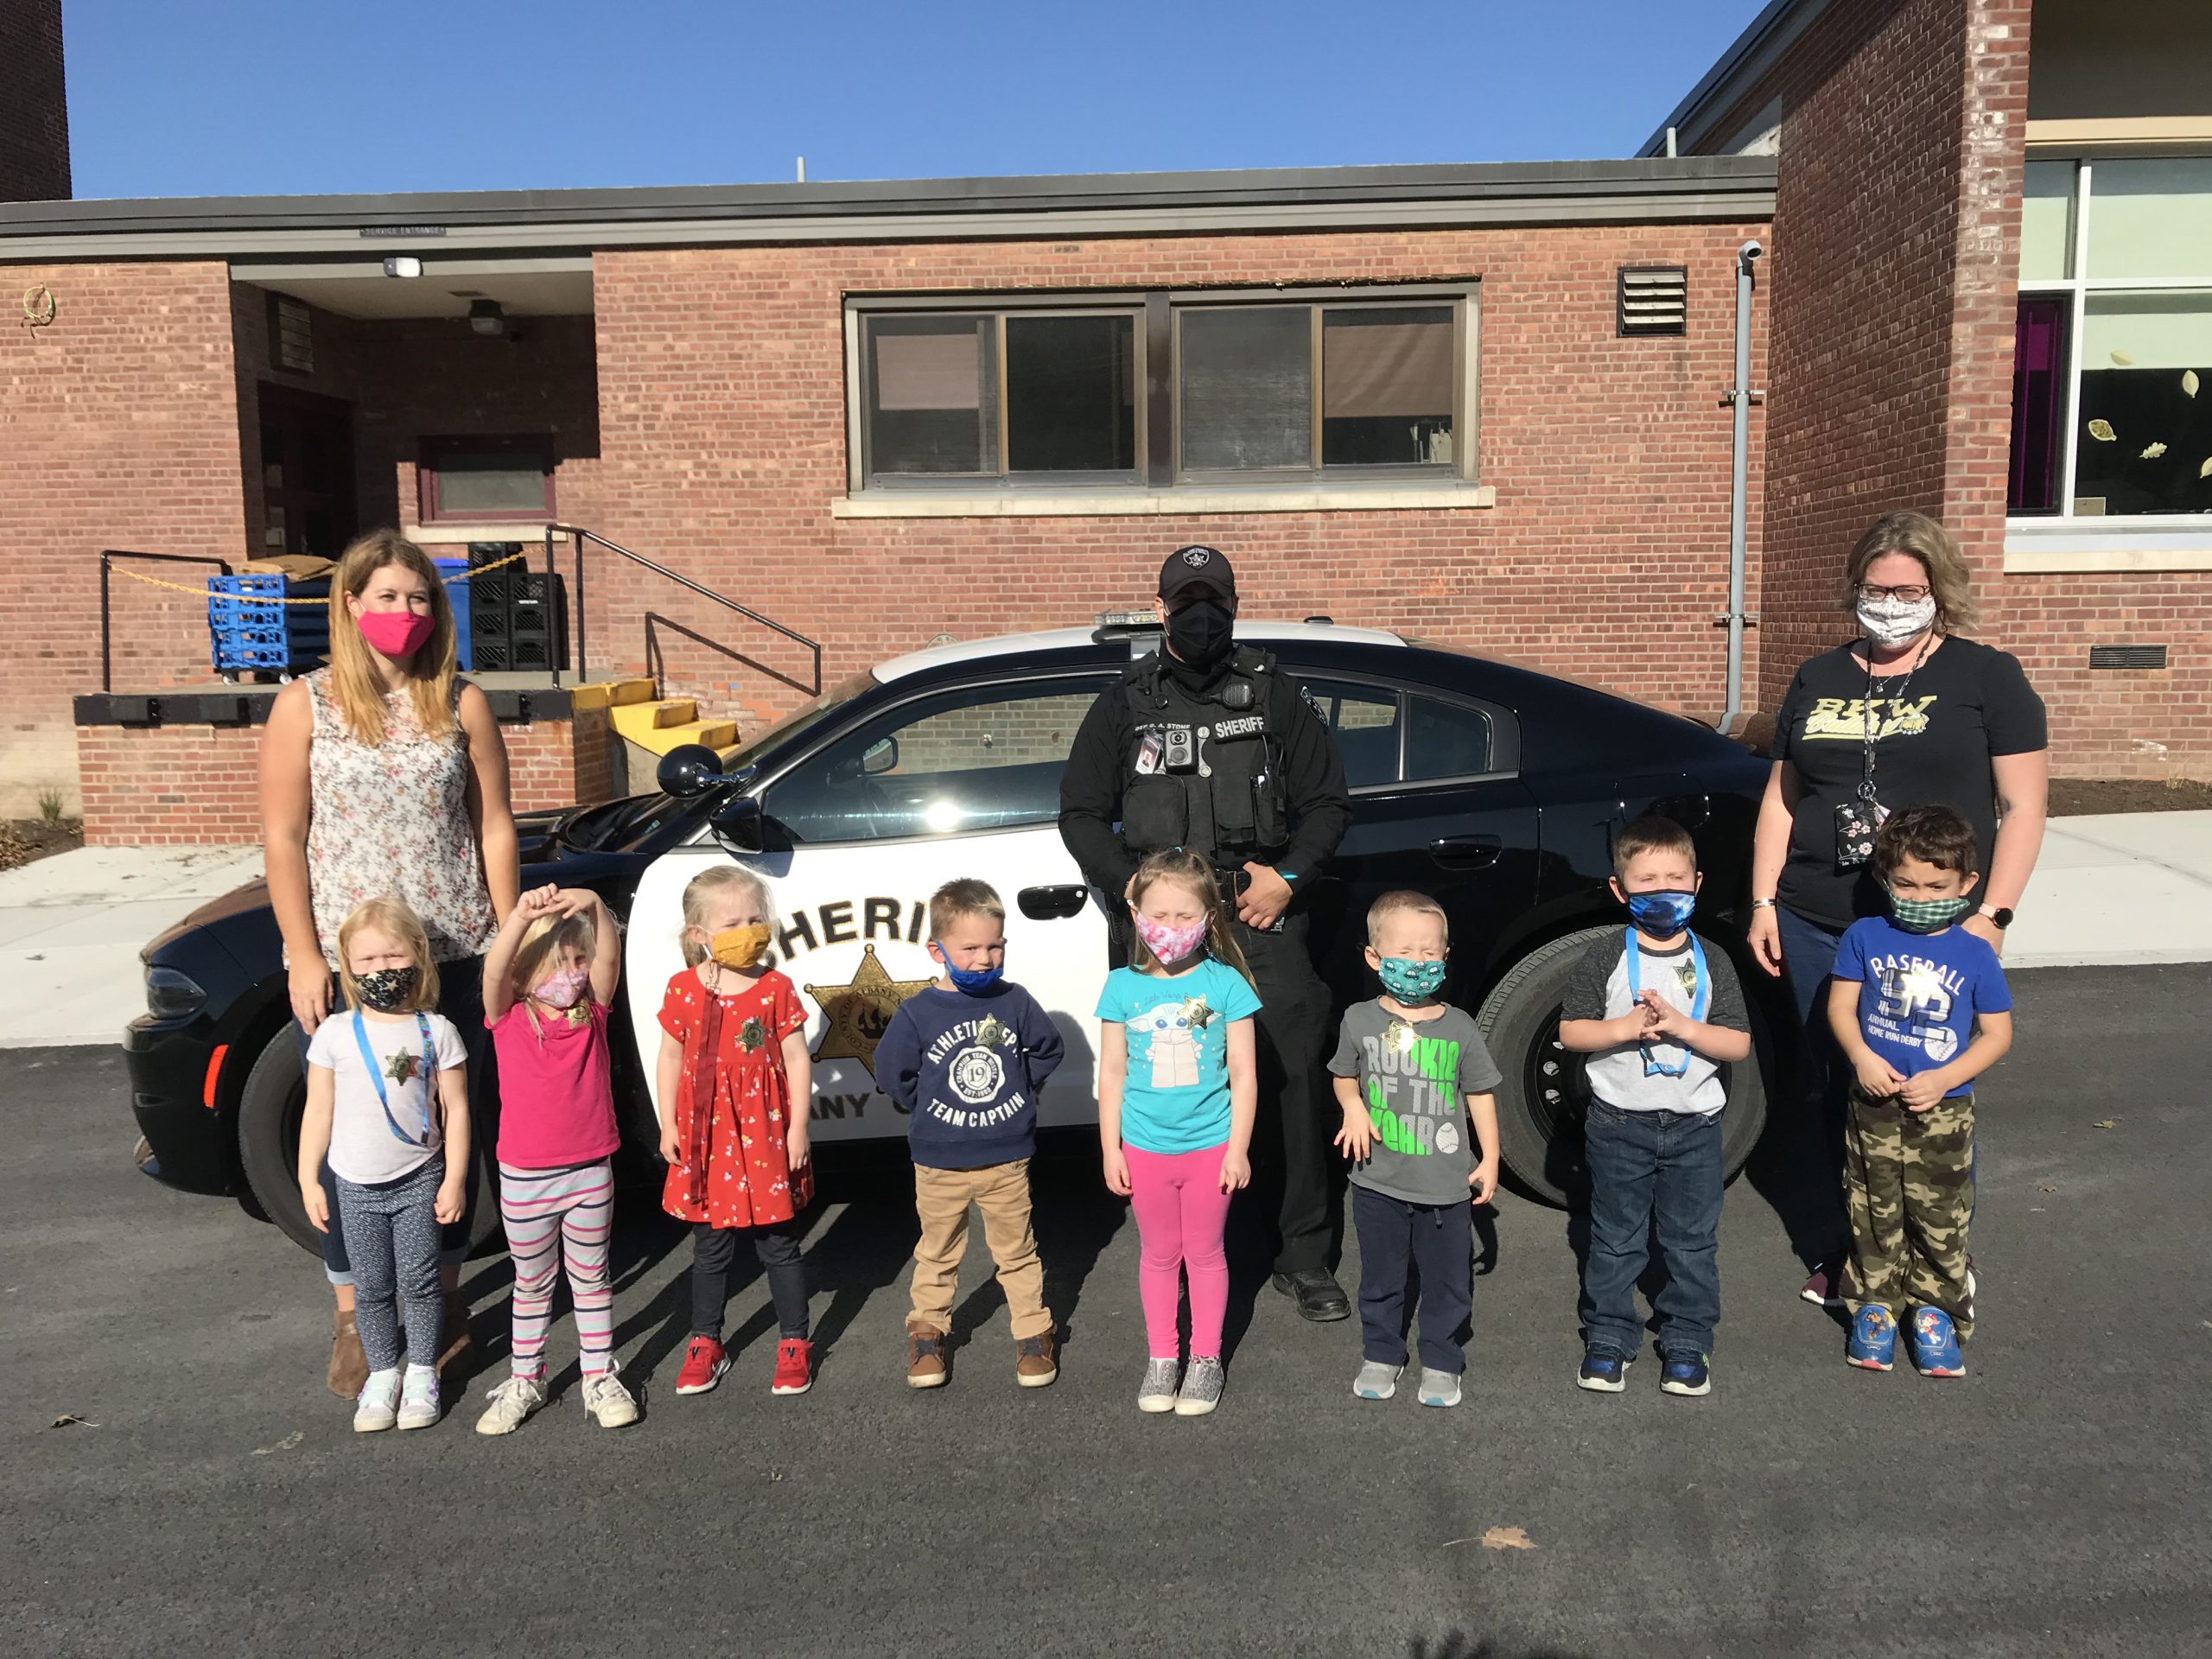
(1204, 745)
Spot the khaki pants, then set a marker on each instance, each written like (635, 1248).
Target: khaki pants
(1001, 1193)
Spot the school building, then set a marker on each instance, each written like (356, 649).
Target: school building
(1493, 405)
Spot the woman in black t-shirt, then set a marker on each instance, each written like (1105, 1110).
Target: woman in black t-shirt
(1922, 716)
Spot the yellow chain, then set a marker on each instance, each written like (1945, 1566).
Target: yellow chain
(261, 598)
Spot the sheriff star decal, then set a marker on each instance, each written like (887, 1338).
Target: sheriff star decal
(855, 1016)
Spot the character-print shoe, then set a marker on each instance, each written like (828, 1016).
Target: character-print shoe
(378, 1406)
(1157, 1392)
(1873, 1345)
(1690, 1374)
(1439, 1388)
(510, 1405)
(794, 1367)
(1603, 1370)
(1202, 1383)
(1034, 1365)
(611, 1405)
(1376, 1381)
(704, 1362)
(1936, 1344)
(925, 1358)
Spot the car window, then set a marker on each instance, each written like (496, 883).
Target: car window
(1363, 720)
(1445, 739)
(980, 758)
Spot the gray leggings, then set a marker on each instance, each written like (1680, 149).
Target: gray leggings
(392, 1233)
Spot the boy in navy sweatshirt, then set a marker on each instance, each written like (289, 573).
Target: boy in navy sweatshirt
(965, 1059)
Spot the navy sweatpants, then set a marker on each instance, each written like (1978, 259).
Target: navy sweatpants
(1438, 1239)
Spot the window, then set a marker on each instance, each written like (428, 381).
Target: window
(2113, 343)
(1445, 739)
(1387, 736)
(960, 762)
(1363, 720)
(485, 478)
(1153, 390)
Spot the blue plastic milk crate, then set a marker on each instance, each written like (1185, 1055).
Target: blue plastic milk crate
(246, 634)
(457, 596)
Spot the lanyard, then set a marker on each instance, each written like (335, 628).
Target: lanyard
(376, 1075)
(1866, 782)
(1700, 1001)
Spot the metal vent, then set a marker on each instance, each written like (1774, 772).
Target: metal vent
(2127, 656)
(1653, 299)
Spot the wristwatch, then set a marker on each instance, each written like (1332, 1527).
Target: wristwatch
(2002, 915)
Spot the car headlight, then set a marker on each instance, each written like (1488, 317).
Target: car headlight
(171, 995)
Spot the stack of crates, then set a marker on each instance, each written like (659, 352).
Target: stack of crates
(518, 621)
(454, 573)
(271, 638)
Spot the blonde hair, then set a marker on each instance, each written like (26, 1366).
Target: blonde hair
(542, 942)
(1405, 901)
(723, 878)
(355, 685)
(1922, 538)
(963, 898)
(393, 916)
(1194, 873)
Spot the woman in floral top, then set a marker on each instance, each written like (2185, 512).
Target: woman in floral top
(382, 776)
(734, 1084)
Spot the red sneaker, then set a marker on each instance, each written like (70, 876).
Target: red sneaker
(704, 1362)
(794, 1367)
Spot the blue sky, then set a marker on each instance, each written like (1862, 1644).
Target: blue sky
(275, 97)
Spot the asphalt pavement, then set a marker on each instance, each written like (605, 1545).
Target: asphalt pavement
(204, 1494)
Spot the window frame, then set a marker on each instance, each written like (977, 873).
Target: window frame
(427, 472)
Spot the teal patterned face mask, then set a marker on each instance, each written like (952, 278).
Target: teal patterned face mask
(1409, 980)
(1927, 915)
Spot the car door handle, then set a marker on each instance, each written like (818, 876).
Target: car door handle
(1048, 904)
(1465, 852)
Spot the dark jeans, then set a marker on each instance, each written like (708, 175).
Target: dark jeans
(713, 1249)
(1808, 954)
(1438, 1240)
(1652, 1172)
(461, 999)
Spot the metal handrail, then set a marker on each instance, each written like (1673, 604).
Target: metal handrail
(108, 555)
(655, 660)
(578, 535)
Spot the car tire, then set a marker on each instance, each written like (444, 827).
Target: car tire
(1542, 1094)
(270, 1109)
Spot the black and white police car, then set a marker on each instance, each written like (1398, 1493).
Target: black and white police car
(1494, 787)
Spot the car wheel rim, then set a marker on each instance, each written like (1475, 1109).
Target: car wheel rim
(1555, 1086)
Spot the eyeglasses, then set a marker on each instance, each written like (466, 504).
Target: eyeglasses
(1911, 593)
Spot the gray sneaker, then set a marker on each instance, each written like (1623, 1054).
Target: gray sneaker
(1157, 1392)
(1439, 1388)
(418, 1398)
(1201, 1390)
(1376, 1381)
(378, 1405)
(510, 1405)
(609, 1403)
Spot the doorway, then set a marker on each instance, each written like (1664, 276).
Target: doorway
(307, 473)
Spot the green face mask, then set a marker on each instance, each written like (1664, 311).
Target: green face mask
(1927, 915)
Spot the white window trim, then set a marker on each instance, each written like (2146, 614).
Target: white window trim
(1126, 501)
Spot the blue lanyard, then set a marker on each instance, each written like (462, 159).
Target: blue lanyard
(1700, 1001)
(376, 1075)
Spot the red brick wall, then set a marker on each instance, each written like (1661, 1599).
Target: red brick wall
(723, 435)
(34, 107)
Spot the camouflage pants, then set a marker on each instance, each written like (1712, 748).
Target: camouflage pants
(1908, 1182)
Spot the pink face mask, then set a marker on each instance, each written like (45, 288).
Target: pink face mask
(563, 990)
(1168, 945)
(395, 634)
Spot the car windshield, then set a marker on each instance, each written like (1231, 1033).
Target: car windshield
(806, 714)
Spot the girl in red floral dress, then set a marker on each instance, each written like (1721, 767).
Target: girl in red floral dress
(735, 1081)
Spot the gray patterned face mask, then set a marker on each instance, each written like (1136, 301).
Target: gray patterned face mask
(1889, 622)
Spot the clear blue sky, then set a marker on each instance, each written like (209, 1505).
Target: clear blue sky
(277, 97)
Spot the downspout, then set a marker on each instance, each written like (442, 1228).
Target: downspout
(1741, 398)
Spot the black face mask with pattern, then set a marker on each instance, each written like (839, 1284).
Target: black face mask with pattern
(387, 988)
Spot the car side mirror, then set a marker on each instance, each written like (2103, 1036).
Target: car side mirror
(881, 756)
(737, 824)
(688, 771)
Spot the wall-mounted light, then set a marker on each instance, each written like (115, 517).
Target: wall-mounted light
(402, 264)
(485, 317)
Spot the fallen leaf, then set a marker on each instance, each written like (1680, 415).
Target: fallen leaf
(2101, 432)
(2188, 381)
(2105, 1123)
(284, 1444)
(2205, 471)
(2035, 1209)
(71, 1420)
(1506, 1538)
(2123, 360)
(2151, 452)
(2046, 1186)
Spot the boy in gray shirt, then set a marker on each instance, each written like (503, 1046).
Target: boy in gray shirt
(1404, 1064)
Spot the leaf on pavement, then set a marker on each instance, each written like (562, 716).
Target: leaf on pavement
(1506, 1538)
(71, 1420)
(2046, 1186)
(2105, 1123)
(284, 1444)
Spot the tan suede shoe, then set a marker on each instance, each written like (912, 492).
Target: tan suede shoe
(455, 1340)
(349, 1366)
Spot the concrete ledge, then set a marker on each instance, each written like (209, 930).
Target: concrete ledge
(1077, 504)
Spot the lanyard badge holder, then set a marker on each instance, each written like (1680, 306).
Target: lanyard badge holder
(1700, 1002)
(376, 1076)
(1857, 820)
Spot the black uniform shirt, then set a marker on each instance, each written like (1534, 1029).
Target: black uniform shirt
(1091, 788)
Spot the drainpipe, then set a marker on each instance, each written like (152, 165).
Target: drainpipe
(1740, 397)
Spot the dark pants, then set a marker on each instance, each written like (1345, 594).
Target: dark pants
(1652, 1171)
(713, 1249)
(1807, 954)
(461, 999)
(1436, 1240)
(396, 1227)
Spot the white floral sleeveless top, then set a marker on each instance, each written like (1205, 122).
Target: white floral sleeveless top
(393, 819)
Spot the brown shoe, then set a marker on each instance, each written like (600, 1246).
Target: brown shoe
(1033, 1365)
(455, 1340)
(349, 1366)
(925, 1358)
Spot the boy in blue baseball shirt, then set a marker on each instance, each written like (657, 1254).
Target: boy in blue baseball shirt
(1921, 1009)
(965, 1058)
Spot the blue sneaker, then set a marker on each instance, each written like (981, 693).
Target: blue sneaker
(1685, 1374)
(1935, 1345)
(1873, 1344)
(1603, 1371)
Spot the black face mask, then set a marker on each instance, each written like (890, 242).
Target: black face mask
(386, 989)
(1201, 635)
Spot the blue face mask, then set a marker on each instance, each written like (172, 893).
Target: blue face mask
(1661, 914)
(1409, 980)
(973, 981)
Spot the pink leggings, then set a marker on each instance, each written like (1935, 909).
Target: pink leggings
(1181, 1212)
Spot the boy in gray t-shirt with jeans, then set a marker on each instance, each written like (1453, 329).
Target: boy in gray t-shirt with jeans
(1405, 1064)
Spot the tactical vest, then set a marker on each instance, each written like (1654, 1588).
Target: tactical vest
(1204, 771)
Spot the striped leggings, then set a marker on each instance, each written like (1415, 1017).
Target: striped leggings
(550, 1213)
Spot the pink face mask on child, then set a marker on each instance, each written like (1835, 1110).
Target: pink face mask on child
(564, 989)
(1168, 945)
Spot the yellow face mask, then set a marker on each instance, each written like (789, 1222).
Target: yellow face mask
(739, 947)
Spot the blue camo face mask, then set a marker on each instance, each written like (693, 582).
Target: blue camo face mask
(1661, 913)
(1410, 980)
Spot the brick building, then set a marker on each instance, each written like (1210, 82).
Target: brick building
(1477, 403)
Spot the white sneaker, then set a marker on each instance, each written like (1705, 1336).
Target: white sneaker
(608, 1401)
(418, 1398)
(1375, 1379)
(1439, 1388)
(510, 1404)
(1157, 1392)
(378, 1405)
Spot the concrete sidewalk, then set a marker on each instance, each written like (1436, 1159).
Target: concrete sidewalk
(2126, 888)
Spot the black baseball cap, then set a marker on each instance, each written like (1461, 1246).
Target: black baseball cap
(1197, 566)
